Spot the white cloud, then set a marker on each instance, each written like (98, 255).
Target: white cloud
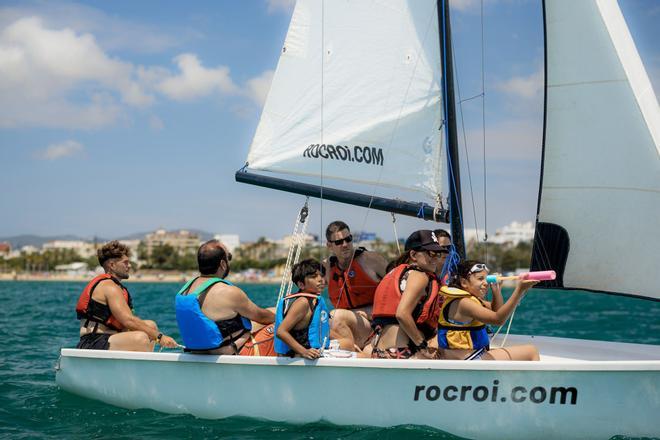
(62, 78)
(58, 151)
(526, 87)
(280, 5)
(257, 88)
(508, 140)
(112, 32)
(195, 80)
(41, 67)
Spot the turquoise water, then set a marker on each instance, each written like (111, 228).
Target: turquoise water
(37, 318)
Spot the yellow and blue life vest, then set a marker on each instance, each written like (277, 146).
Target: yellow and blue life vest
(453, 334)
(197, 330)
(316, 335)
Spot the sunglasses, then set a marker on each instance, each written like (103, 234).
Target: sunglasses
(347, 239)
(478, 268)
(229, 256)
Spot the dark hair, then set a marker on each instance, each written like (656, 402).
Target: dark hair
(442, 233)
(209, 257)
(335, 226)
(404, 258)
(305, 269)
(113, 249)
(462, 272)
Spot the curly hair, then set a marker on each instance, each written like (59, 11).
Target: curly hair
(113, 249)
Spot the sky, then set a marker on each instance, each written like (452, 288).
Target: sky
(122, 117)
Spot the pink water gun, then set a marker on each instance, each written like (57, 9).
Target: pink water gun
(542, 275)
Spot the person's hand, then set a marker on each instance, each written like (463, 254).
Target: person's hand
(427, 353)
(167, 342)
(311, 353)
(496, 287)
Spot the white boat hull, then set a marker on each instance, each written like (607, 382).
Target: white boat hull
(555, 398)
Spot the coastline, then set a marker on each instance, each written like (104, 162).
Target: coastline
(158, 277)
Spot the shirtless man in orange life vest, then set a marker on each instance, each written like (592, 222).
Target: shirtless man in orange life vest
(352, 276)
(105, 311)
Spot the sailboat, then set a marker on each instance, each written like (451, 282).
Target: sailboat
(363, 96)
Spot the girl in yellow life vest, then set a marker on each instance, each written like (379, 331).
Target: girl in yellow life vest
(465, 313)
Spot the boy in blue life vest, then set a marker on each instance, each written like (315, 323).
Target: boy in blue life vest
(302, 325)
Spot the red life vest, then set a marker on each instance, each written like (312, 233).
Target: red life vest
(88, 308)
(351, 288)
(388, 296)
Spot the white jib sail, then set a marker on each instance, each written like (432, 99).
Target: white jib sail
(356, 96)
(601, 177)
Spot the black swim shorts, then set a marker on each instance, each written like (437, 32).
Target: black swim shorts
(94, 341)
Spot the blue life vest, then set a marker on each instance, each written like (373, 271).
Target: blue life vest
(197, 330)
(318, 331)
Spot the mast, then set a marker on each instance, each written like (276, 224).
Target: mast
(455, 203)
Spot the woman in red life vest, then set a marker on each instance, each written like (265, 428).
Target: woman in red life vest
(405, 313)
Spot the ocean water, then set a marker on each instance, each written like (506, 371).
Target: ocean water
(37, 318)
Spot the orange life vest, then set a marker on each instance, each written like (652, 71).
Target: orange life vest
(88, 308)
(388, 296)
(351, 288)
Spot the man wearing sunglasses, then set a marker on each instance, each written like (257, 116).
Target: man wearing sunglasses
(353, 275)
(214, 316)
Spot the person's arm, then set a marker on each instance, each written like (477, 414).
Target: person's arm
(114, 297)
(245, 307)
(414, 291)
(296, 313)
(497, 299)
(499, 316)
(376, 262)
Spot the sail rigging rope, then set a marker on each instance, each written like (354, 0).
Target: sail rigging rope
(295, 249)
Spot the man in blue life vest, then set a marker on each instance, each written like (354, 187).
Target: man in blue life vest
(302, 325)
(352, 276)
(213, 315)
(104, 309)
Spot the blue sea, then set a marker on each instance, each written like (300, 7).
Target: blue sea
(38, 318)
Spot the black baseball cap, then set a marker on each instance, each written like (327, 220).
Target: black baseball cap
(425, 240)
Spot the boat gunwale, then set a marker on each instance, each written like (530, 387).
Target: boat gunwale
(398, 364)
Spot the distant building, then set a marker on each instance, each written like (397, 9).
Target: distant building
(263, 249)
(29, 249)
(308, 240)
(133, 247)
(5, 249)
(182, 241)
(231, 241)
(82, 248)
(72, 269)
(514, 233)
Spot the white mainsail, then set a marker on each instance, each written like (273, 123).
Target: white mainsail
(356, 96)
(601, 173)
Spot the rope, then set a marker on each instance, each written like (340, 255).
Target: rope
(483, 130)
(297, 243)
(396, 235)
